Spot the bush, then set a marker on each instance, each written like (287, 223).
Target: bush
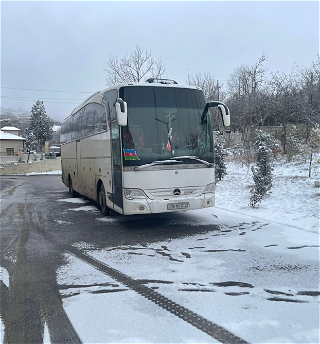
(219, 160)
(262, 172)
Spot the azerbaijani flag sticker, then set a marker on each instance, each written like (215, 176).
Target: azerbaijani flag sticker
(130, 154)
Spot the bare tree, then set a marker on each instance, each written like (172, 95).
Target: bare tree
(314, 143)
(246, 86)
(137, 66)
(247, 80)
(310, 80)
(209, 85)
(286, 95)
(285, 101)
(212, 91)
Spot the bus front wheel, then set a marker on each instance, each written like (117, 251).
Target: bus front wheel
(71, 190)
(102, 200)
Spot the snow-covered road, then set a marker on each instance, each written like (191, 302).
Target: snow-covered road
(253, 273)
(258, 280)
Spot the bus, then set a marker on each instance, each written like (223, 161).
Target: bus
(142, 148)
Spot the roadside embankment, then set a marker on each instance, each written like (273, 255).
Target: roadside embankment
(46, 165)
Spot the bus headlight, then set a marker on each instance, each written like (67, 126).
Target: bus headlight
(209, 188)
(134, 193)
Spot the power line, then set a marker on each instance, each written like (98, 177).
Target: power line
(34, 99)
(29, 89)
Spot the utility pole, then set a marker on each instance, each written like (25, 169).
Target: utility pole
(310, 107)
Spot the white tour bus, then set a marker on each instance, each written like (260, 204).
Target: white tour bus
(142, 148)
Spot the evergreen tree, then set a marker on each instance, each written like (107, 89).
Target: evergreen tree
(40, 124)
(219, 160)
(262, 172)
(30, 142)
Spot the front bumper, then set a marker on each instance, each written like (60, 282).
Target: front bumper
(149, 206)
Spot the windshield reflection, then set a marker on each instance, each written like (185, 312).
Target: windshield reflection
(164, 122)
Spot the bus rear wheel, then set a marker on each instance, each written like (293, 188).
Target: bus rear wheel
(102, 200)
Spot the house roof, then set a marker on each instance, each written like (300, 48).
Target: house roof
(56, 127)
(10, 128)
(7, 136)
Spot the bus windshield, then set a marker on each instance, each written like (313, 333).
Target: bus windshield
(164, 123)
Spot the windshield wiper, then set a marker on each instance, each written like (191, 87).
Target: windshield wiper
(195, 158)
(172, 161)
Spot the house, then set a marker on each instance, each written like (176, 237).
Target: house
(10, 144)
(11, 130)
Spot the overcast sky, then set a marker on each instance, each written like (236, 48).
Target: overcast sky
(64, 46)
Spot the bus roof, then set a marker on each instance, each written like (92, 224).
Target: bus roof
(97, 96)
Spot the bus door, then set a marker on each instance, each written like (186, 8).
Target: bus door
(78, 178)
(116, 166)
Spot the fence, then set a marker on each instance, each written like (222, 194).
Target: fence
(13, 167)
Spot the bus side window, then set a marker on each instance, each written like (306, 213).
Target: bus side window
(63, 133)
(70, 129)
(110, 98)
(89, 120)
(101, 119)
(82, 122)
(76, 126)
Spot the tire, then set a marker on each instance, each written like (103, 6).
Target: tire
(71, 190)
(102, 201)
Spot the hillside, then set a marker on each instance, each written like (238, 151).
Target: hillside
(16, 118)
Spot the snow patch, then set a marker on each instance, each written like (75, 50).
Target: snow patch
(4, 276)
(56, 172)
(60, 222)
(46, 335)
(1, 330)
(73, 200)
(91, 208)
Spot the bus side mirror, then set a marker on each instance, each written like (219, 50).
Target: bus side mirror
(223, 109)
(121, 110)
(225, 114)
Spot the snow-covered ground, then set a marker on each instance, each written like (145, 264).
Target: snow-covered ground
(257, 276)
(254, 272)
(293, 200)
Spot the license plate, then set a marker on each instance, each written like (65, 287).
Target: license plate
(181, 205)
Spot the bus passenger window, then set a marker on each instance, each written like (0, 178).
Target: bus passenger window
(101, 119)
(110, 98)
(76, 118)
(82, 123)
(89, 120)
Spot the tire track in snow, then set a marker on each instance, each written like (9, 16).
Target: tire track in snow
(213, 330)
(268, 220)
